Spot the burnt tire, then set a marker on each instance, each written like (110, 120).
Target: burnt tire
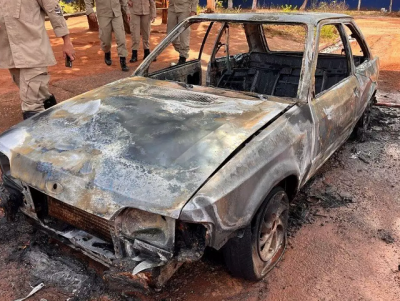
(362, 125)
(259, 249)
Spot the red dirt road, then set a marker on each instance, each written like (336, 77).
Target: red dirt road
(345, 253)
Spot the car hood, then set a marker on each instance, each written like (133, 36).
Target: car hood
(136, 143)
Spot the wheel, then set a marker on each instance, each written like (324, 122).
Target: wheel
(263, 243)
(360, 130)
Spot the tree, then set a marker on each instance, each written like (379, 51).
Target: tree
(359, 5)
(390, 6)
(93, 25)
(210, 6)
(254, 5)
(303, 6)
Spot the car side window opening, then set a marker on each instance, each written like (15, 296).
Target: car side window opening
(358, 49)
(249, 57)
(252, 65)
(333, 58)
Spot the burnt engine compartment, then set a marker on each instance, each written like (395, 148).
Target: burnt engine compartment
(100, 234)
(275, 74)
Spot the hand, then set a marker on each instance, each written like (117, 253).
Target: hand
(192, 13)
(93, 17)
(152, 20)
(128, 18)
(68, 48)
(130, 3)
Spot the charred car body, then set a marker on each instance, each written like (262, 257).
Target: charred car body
(144, 173)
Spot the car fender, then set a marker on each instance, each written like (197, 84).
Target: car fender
(229, 199)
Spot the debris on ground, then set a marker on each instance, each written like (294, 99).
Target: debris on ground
(388, 99)
(33, 291)
(330, 197)
(385, 236)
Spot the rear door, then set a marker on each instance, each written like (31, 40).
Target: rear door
(335, 92)
(366, 67)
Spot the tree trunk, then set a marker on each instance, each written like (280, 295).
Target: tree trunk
(93, 26)
(230, 4)
(164, 14)
(254, 5)
(359, 5)
(390, 6)
(210, 6)
(303, 6)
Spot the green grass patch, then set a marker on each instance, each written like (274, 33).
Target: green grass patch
(69, 8)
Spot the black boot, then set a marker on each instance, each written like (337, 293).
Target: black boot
(146, 53)
(28, 114)
(122, 61)
(134, 56)
(107, 58)
(49, 102)
(182, 60)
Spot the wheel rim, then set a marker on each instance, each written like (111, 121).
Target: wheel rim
(272, 231)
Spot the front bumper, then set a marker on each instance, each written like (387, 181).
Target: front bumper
(96, 238)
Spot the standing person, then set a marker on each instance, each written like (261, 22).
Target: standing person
(178, 11)
(25, 49)
(109, 16)
(142, 13)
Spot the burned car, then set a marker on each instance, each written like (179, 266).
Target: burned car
(144, 173)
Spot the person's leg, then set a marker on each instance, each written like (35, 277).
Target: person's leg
(119, 32)
(145, 28)
(34, 91)
(171, 23)
(105, 35)
(135, 34)
(184, 37)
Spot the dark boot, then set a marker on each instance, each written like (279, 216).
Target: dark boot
(49, 102)
(122, 61)
(134, 56)
(28, 114)
(107, 58)
(146, 53)
(182, 60)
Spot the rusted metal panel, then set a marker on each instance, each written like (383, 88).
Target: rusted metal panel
(306, 18)
(133, 143)
(79, 218)
(228, 201)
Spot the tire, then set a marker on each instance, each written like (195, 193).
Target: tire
(247, 256)
(362, 125)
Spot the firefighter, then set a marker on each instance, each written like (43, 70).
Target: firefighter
(26, 52)
(178, 11)
(109, 16)
(143, 12)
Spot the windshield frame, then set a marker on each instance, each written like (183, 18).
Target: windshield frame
(305, 78)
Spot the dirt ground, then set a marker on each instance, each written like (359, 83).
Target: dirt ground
(345, 228)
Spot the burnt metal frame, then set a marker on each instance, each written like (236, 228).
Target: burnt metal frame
(349, 55)
(142, 70)
(359, 38)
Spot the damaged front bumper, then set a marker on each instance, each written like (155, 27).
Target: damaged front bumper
(142, 250)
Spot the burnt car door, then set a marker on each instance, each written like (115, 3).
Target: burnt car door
(366, 67)
(335, 92)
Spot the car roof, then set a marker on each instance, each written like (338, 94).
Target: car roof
(307, 18)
